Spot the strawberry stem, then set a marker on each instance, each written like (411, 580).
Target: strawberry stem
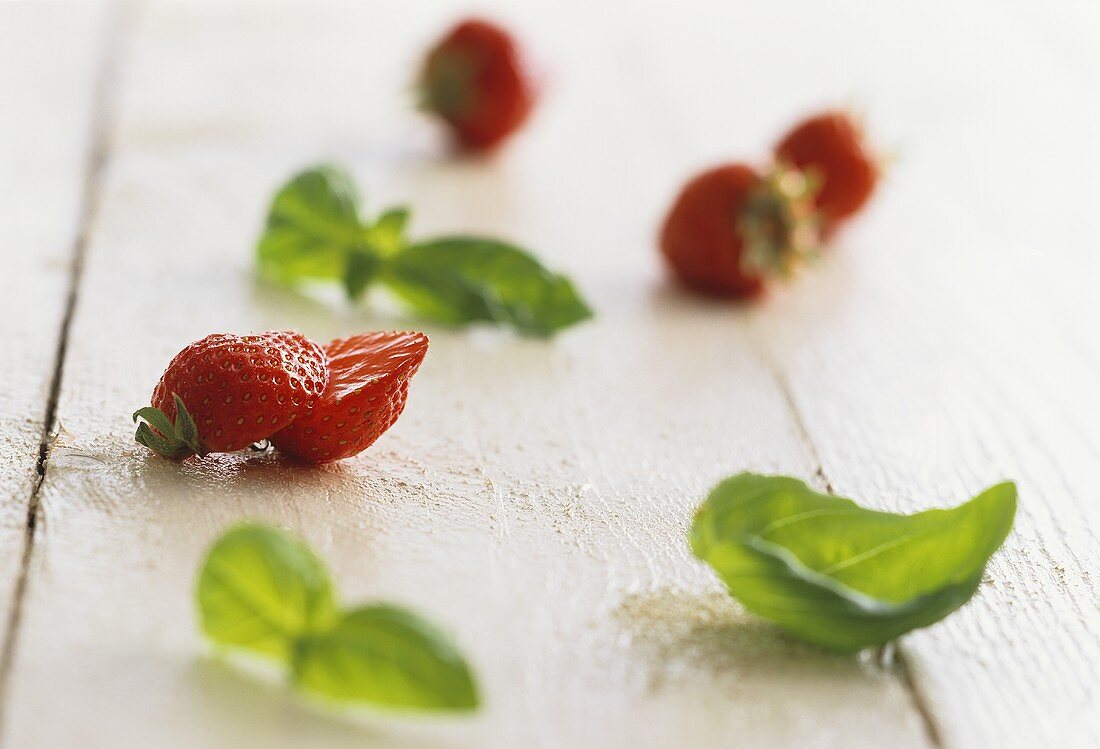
(780, 224)
(447, 87)
(173, 441)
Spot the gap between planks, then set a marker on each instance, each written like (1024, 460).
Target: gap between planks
(891, 656)
(118, 24)
(115, 34)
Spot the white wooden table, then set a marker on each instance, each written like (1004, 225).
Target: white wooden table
(535, 496)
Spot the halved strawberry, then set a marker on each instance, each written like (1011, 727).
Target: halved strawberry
(368, 383)
(234, 390)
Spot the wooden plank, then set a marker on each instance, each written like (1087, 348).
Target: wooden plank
(976, 366)
(948, 342)
(1067, 33)
(48, 61)
(534, 497)
(929, 401)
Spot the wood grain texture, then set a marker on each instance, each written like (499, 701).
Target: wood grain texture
(534, 498)
(48, 60)
(949, 341)
(930, 402)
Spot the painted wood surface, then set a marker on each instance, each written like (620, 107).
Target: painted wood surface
(48, 65)
(534, 497)
(949, 344)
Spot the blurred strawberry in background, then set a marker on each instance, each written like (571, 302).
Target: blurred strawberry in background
(831, 149)
(733, 227)
(475, 80)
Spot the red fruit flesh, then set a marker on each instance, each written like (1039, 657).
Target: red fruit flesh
(368, 384)
(475, 81)
(241, 389)
(702, 238)
(831, 147)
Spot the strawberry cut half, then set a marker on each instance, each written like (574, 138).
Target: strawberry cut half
(368, 384)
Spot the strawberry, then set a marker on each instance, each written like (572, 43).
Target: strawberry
(732, 227)
(830, 148)
(225, 392)
(475, 81)
(368, 383)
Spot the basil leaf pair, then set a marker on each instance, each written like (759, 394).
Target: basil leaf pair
(264, 591)
(314, 232)
(840, 575)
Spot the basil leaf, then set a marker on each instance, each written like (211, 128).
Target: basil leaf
(388, 232)
(260, 589)
(839, 575)
(458, 280)
(311, 226)
(360, 271)
(387, 656)
(314, 231)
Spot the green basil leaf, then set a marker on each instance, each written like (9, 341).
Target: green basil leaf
(360, 271)
(459, 280)
(260, 589)
(386, 656)
(839, 575)
(388, 232)
(311, 226)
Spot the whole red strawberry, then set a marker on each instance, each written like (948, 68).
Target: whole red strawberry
(732, 227)
(830, 147)
(225, 392)
(368, 383)
(476, 82)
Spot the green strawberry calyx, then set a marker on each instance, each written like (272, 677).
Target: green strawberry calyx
(780, 223)
(173, 441)
(447, 85)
